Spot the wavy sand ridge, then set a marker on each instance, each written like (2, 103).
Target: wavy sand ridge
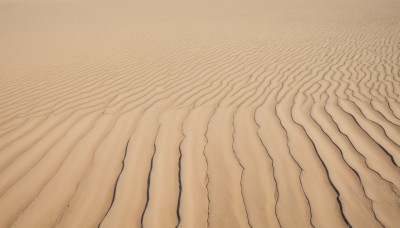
(198, 114)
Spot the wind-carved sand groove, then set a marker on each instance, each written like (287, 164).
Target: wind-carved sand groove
(200, 114)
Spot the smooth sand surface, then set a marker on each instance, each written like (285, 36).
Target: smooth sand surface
(224, 113)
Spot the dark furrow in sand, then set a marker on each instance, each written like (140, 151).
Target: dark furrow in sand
(149, 179)
(207, 174)
(116, 182)
(178, 215)
(329, 178)
(383, 149)
(298, 165)
(242, 168)
(273, 170)
(357, 174)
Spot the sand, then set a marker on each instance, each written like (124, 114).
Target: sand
(226, 113)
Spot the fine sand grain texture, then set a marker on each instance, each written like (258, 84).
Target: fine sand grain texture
(200, 113)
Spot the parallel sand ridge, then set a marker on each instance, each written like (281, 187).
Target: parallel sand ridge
(196, 114)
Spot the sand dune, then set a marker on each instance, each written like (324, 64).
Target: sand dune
(200, 113)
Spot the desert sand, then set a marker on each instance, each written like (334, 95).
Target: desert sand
(225, 113)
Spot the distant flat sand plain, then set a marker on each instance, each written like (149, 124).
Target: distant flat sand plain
(194, 113)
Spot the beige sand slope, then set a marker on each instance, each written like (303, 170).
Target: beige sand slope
(197, 113)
